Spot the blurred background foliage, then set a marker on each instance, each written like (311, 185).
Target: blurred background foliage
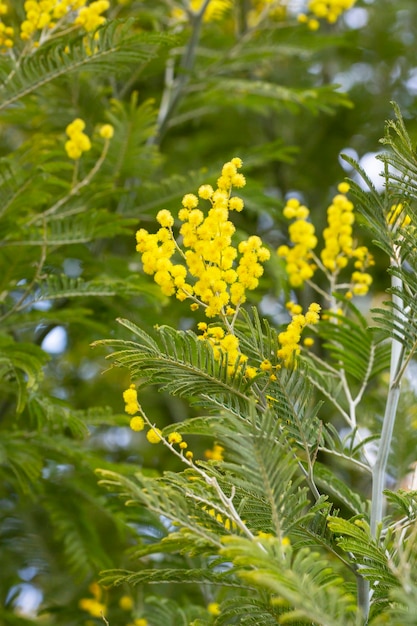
(184, 95)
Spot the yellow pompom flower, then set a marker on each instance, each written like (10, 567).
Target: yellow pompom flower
(216, 9)
(174, 437)
(329, 10)
(78, 141)
(213, 608)
(90, 17)
(107, 131)
(215, 454)
(190, 201)
(126, 603)
(290, 338)
(308, 342)
(165, 219)
(92, 606)
(137, 423)
(130, 397)
(154, 435)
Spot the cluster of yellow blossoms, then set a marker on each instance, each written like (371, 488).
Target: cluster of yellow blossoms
(290, 338)
(329, 10)
(6, 32)
(339, 246)
(79, 142)
(215, 454)
(137, 423)
(226, 345)
(47, 15)
(299, 258)
(215, 10)
(94, 606)
(211, 271)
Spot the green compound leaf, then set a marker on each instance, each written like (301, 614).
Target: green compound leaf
(303, 579)
(21, 368)
(181, 364)
(117, 49)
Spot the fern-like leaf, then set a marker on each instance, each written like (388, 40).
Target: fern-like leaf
(118, 47)
(304, 580)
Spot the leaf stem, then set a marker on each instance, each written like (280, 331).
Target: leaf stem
(396, 371)
(174, 87)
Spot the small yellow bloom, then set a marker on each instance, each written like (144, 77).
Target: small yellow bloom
(174, 438)
(264, 535)
(126, 603)
(237, 162)
(205, 192)
(213, 608)
(137, 423)
(154, 435)
(215, 454)
(238, 180)
(190, 201)
(313, 24)
(165, 219)
(107, 131)
(92, 606)
(250, 372)
(343, 187)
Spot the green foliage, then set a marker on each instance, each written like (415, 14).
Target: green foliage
(274, 527)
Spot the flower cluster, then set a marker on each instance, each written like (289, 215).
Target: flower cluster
(222, 344)
(215, 10)
(78, 141)
(90, 17)
(299, 258)
(211, 271)
(290, 338)
(137, 423)
(329, 10)
(6, 32)
(130, 396)
(47, 15)
(225, 345)
(215, 454)
(94, 606)
(339, 246)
